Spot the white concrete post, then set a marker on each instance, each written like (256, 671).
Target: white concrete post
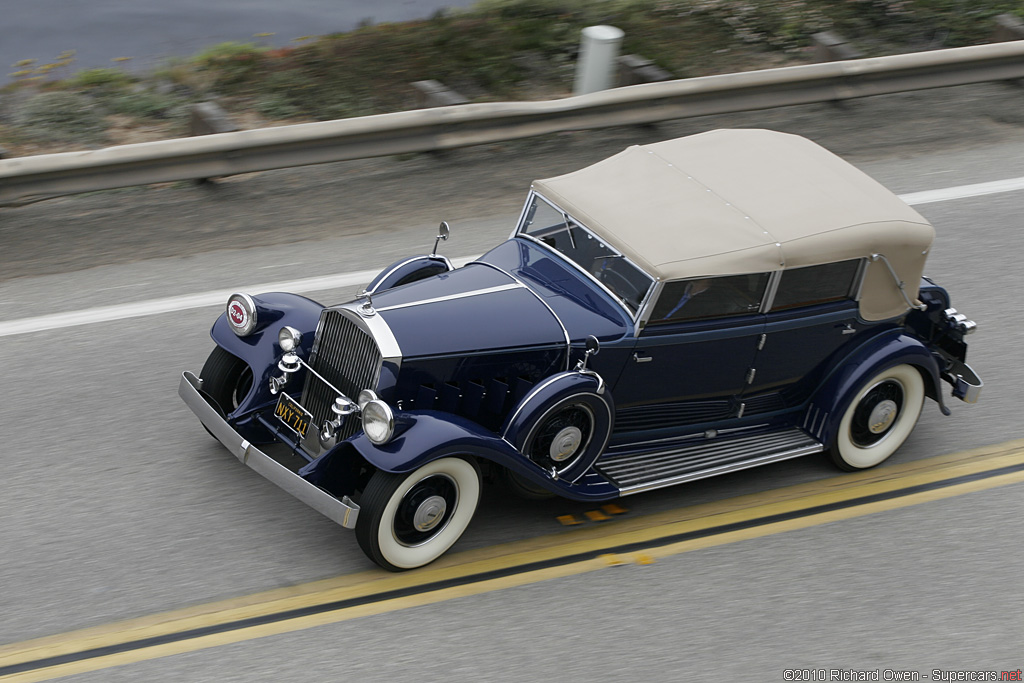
(595, 68)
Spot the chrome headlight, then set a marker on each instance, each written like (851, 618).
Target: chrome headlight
(365, 396)
(241, 313)
(378, 422)
(289, 338)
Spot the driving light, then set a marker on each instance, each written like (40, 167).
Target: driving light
(289, 338)
(241, 314)
(365, 396)
(378, 422)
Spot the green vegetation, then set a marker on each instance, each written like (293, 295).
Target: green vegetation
(498, 50)
(60, 117)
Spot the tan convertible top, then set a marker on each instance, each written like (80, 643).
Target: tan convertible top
(728, 202)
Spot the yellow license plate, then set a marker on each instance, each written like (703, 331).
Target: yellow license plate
(292, 414)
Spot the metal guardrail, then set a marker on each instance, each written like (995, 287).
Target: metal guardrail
(26, 179)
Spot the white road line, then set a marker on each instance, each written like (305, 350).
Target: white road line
(140, 309)
(963, 191)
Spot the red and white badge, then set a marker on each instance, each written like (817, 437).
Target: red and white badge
(237, 314)
(241, 313)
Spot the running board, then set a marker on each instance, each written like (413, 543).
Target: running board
(638, 472)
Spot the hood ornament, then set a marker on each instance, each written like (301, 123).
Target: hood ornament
(366, 309)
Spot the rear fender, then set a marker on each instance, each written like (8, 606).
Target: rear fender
(260, 349)
(826, 408)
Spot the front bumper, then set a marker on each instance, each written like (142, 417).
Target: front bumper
(343, 511)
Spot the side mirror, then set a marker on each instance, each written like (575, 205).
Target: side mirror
(442, 236)
(593, 346)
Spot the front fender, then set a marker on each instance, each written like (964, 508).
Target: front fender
(260, 350)
(409, 270)
(428, 435)
(826, 408)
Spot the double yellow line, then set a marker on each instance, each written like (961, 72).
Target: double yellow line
(624, 540)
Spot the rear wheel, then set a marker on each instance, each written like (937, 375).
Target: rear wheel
(879, 419)
(409, 520)
(227, 380)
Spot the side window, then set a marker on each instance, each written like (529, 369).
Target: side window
(713, 297)
(816, 285)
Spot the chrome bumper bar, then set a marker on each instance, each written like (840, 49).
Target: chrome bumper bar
(966, 383)
(343, 511)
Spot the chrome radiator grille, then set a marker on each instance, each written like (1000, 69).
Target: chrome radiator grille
(349, 359)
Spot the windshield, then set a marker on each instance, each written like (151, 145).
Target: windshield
(547, 224)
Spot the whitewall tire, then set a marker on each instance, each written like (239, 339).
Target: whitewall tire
(879, 419)
(409, 520)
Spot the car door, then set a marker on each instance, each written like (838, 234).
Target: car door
(813, 318)
(690, 362)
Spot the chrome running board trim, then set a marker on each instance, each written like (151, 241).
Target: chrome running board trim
(638, 472)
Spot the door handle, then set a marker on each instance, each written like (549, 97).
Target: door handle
(847, 329)
(642, 359)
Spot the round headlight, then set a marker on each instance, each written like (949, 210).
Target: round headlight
(289, 338)
(241, 313)
(378, 422)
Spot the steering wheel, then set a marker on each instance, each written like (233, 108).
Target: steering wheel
(621, 286)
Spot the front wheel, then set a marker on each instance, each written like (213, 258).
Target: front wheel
(409, 520)
(227, 379)
(879, 419)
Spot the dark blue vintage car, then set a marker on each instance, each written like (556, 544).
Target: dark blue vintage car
(753, 297)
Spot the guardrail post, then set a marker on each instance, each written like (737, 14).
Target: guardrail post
(829, 46)
(207, 118)
(595, 68)
(1008, 27)
(436, 94)
(634, 69)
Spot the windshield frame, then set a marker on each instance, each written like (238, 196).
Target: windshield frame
(652, 282)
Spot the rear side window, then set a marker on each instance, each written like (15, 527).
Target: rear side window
(817, 285)
(713, 297)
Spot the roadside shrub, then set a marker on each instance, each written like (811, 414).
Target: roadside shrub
(235, 66)
(60, 117)
(110, 79)
(143, 104)
(276, 107)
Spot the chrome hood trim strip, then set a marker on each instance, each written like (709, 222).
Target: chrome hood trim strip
(453, 297)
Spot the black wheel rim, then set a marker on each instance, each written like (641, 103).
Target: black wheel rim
(575, 416)
(877, 413)
(425, 510)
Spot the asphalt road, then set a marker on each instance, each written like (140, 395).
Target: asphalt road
(151, 31)
(116, 504)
